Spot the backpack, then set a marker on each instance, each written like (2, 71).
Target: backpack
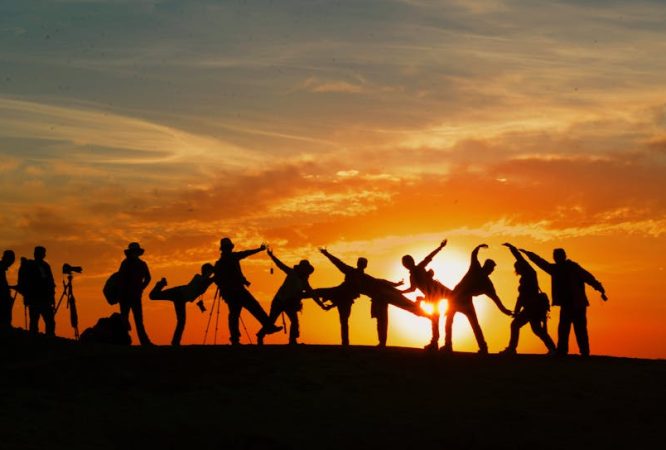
(542, 302)
(111, 289)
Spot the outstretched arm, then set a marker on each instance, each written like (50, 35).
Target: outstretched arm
(246, 253)
(490, 292)
(310, 293)
(592, 281)
(515, 252)
(539, 261)
(475, 255)
(432, 254)
(342, 267)
(282, 266)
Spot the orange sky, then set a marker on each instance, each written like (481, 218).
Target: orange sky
(371, 128)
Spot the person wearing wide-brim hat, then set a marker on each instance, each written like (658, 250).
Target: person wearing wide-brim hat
(233, 285)
(289, 296)
(133, 278)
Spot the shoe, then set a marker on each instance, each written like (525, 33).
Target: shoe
(260, 339)
(432, 347)
(508, 351)
(270, 329)
(446, 349)
(482, 351)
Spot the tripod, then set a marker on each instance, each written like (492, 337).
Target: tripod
(68, 292)
(216, 307)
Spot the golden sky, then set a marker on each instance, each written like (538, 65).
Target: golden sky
(373, 128)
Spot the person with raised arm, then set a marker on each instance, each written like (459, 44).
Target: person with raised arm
(475, 282)
(422, 279)
(233, 285)
(568, 280)
(289, 297)
(531, 306)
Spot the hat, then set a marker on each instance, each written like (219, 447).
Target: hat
(134, 249)
(305, 266)
(225, 243)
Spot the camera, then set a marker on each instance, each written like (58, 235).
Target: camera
(68, 269)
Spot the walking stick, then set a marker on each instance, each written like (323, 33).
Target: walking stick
(210, 315)
(240, 316)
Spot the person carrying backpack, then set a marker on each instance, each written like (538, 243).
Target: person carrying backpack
(531, 306)
(37, 286)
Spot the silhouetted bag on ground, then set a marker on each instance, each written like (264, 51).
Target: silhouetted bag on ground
(108, 330)
(112, 289)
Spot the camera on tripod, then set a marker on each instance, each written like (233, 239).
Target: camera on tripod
(68, 269)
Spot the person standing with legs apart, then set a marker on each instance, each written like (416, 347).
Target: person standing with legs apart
(233, 285)
(475, 282)
(6, 299)
(531, 306)
(568, 281)
(37, 286)
(289, 296)
(133, 279)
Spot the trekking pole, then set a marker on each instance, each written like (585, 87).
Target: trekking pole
(284, 324)
(245, 328)
(210, 315)
(217, 319)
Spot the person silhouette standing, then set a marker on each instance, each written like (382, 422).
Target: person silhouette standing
(475, 282)
(133, 279)
(233, 285)
(382, 293)
(37, 286)
(531, 305)
(6, 299)
(434, 291)
(289, 296)
(181, 295)
(568, 280)
(342, 297)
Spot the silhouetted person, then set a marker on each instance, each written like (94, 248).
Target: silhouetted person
(422, 279)
(568, 281)
(133, 279)
(475, 282)
(289, 296)
(108, 330)
(181, 295)
(381, 293)
(531, 306)
(6, 299)
(342, 297)
(233, 289)
(37, 286)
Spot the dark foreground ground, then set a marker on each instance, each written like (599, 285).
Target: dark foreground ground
(64, 395)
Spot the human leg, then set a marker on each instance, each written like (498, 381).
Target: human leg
(516, 324)
(580, 329)
(470, 312)
(233, 321)
(49, 319)
(382, 324)
(448, 329)
(34, 313)
(344, 311)
(179, 306)
(294, 329)
(538, 325)
(563, 329)
(137, 312)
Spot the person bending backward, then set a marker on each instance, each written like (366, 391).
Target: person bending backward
(422, 279)
(381, 292)
(6, 299)
(133, 279)
(233, 288)
(342, 297)
(289, 296)
(531, 305)
(181, 295)
(37, 286)
(568, 281)
(475, 282)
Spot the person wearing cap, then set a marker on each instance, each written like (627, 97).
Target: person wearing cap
(233, 285)
(6, 299)
(289, 296)
(342, 297)
(37, 286)
(568, 280)
(181, 295)
(475, 282)
(133, 279)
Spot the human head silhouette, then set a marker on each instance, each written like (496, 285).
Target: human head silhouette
(304, 268)
(489, 266)
(207, 269)
(40, 253)
(559, 255)
(521, 267)
(361, 263)
(8, 258)
(408, 262)
(134, 250)
(226, 245)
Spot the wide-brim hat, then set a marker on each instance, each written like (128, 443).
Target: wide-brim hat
(305, 266)
(134, 249)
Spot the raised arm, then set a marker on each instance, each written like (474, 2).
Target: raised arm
(474, 260)
(282, 266)
(432, 254)
(245, 253)
(342, 267)
(539, 261)
(490, 292)
(515, 252)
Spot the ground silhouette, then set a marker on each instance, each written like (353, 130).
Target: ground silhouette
(60, 394)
